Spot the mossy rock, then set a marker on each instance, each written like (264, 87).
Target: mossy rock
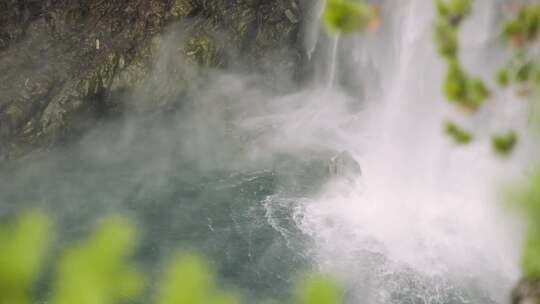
(203, 51)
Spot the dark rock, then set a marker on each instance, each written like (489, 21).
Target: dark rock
(343, 165)
(527, 292)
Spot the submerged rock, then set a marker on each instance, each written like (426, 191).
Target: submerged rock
(527, 292)
(343, 165)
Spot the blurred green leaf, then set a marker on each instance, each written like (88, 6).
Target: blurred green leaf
(453, 11)
(458, 135)
(502, 77)
(97, 269)
(455, 84)
(504, 144)
(477, 92)
(527, 199)
(188, 280)
(459, 7)
(22, 248)
(524, 72)
(446, 38)
(347, 16)
(459, 88)
(530, 262)
(318, 289)
(524, 28)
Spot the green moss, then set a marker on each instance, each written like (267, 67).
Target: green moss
(15, 113)
(181, 8)
(202, 51)
(244, 21)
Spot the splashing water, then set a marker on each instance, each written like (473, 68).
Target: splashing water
(423, 224)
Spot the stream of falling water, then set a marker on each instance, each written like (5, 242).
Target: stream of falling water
(333, 62)
(423, 223)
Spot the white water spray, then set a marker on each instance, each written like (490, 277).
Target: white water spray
(423, 224)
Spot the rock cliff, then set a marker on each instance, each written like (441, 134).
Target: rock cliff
(67, 64)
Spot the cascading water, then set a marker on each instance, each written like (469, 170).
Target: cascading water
(333, 62)
(423, 224)
(320, 47)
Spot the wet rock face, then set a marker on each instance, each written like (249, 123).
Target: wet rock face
(64, 63)
(527, 292)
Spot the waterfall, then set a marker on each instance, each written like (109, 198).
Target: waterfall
(311, 27)
(333, 62)
(321, 48)
(423, 224)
